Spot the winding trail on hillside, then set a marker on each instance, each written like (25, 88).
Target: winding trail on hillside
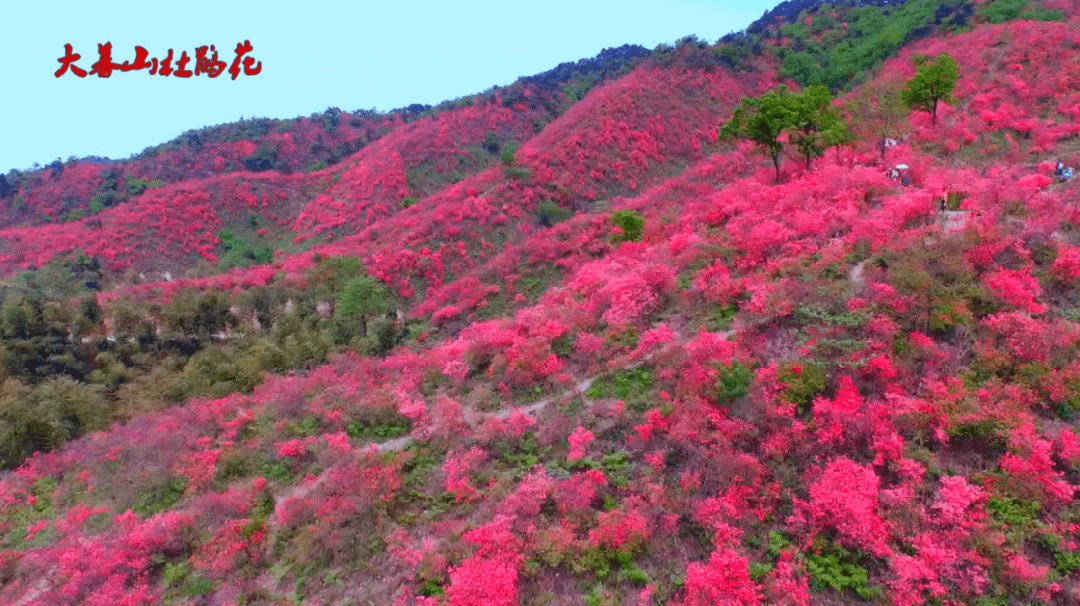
(472, 417)
(956, 219)
(856, 275)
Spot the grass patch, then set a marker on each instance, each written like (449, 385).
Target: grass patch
(160, 498)
(629, 385)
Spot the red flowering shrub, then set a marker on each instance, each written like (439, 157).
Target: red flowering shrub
(578, 440)
(723, 581)
(483, 581)
(957, 504)
(1019, 338)
(1033, 464)
(529, 495)
(620, 530)
(496, 539)
(787, 585)
(1017, 288)
(1067, 264)
(1034, 182)
(457, 469)
(845, 497)
(576, 493)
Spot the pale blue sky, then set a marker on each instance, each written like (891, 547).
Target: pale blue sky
(314, 55)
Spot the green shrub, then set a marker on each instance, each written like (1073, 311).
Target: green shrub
(735, 56)
(733, 381)
(616, 466)
(563, 345)
(837, 568)
(384, 430)
(263, 159)
(778, 541)
(944, 286)
(42, 417)
(626, 338)
(802, 383)
(1001, 10)
(1044, 15)
(180, 581)
(1015, 514)
(517, 173)
(633, 574)
(1067, 562)
(630, 223)
(630, 385)
(579, 87)
(241, 252)
(599, 596)
(760, 570)
(279, 471)
(721, 316)
(160, 497)
(102, 200)
(431, 588)
(953, 200)
(507, 155)
(136, 186)
(985, 436)
(549, 213)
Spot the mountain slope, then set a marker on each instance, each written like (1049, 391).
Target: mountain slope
(822, 391)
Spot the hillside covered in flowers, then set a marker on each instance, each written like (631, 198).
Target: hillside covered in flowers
(556, 344)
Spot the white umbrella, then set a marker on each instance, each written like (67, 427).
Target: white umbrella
(901, 167)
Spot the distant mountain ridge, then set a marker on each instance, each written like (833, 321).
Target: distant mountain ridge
(788, 11)
(607, 61)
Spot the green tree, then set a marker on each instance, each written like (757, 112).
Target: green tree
(262, 159)
(329, 275)
(43, 417)
(7, 189)
(23, 428)
(361, 299)
(131, 323)
(762, 120)
(213, 314)
(933, 82)
(88, 316)
(549, 213)
(880, 109)
(201, 316)
(266, 304)
(942, 285)
(815, 123)
(838, 134)
(35, 334)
